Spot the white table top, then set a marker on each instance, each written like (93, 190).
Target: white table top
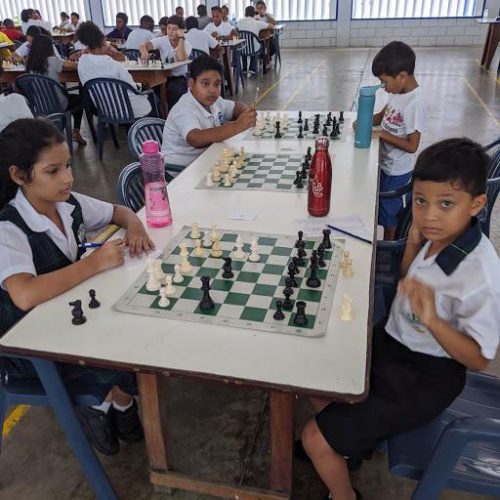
(491, 20)
(232, 43)
(335, 363)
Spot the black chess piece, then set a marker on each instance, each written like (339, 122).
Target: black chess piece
(278, 315)
(300, 183)
(300, 235)
(306, 125)
(308, 154)
(277, 135)
(326, 239)
(295, 261)
(206, 302)
(303, 172)
(301, 253)
(313, 281)
(94, 303)
(337, 128)
(316, 129)
(300, 117)
(291, 275)
(287, 303)
(325, 131)
(228, 271)
(305, 164)
(288, 283)
(77, 313)
(321, 255)
(301, 135)
(333, 133)
(300, 318)
(329, 118)
(341, 117)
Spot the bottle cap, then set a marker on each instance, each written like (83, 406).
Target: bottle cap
(150, 147)
(322, 143)
(369, 91)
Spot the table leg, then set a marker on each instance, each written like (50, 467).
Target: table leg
(163, 100)
(281, 431)
(228, 70)
(153, 410)
(490, 46)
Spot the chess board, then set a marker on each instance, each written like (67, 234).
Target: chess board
(264, 172)
(291, 131)
(248, 300)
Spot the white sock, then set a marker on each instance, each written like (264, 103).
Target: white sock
(104, 406)
(118, 407)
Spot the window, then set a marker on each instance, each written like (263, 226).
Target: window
(50, 9)
(289, 10)
(414, 9)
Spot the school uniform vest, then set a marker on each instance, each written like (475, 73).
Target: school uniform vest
(47, 256)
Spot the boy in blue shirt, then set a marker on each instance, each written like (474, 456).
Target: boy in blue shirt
(444, 318)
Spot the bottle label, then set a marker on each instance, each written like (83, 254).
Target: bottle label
(317, 188)
(157, 206)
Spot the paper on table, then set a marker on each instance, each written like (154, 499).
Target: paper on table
(242, 215)
(353, 223)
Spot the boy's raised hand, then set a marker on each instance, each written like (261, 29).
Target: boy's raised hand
(111, 254)
(247, 118)
(137, 239)
(422, 300)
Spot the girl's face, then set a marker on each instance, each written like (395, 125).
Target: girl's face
(51, 178)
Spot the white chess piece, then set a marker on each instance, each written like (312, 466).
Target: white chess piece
(345, 313)
(159, 274)
(214, 234)
(239, 253)
(184, 251)
(216, 250)
(163, 302)
(169, 288)
(216, 175)
(207, 240)
(227, 181)
(186, 266)
(209, 181)
(198, 251)
(195, 231)
(346, 265)
(152, 285)
(178, 278)
(254, 255)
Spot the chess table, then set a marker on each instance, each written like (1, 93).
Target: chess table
(335, 365)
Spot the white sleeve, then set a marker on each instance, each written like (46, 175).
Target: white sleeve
(208, 29)
(413, 116)
(188, 47)
(212, 42)
(15, 252)
(96, 213)
(23, 50)
(227, 109)
(158, 43)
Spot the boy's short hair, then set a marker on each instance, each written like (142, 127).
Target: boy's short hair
(147, 20)
(394, 58)
(90, 35)
(122, 16)
(201, 10)
(176, 20)
(192, 22)
(202, 64)
(76, 15)
(216, 8)
(33, 31)
(249, 11)
(457, 161)
(260, 2)
(8, 22)
(64, 14)
(163, 21)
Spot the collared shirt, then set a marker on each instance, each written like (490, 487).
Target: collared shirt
(137, 38)
(169, 54)
(13, 107)
(465, 277)
(254, 26)
(224, 29)
(188, 114)
(15, 251)
(119, 34)
(201, 40)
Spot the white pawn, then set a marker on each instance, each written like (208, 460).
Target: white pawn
(184, 251)
(159, 274)
(214, 234)
(178, 278)
(163, 302)
(239, 253)
(227, 181)
(198, 251)
(153, 285)
(254, 255)
(207, 240)
(186, 266)
(195, 231)
(346, 265)
(216, 250)
(209, 181)
(216, 175)
(169, 288)
(345, 313)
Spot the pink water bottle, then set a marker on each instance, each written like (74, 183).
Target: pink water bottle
(158, 213)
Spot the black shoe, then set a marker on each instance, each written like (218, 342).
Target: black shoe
(99, 429)
(127, 424)
(299, 452)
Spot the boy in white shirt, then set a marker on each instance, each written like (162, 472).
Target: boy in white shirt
(202, 117)
(198, 39)
(262, 13)
(173, 48)
(74, 23)
(249, 23)
(218, 28)
(141, 35)
(402, 120)
(443, 320)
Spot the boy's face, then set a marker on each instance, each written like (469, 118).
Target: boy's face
(74, 20)
(261, 9)
(163, 29)
(179, 12)
(172, 32)
(206, 88)
(216, 17)
(120, 23)
(225, 13)
(442, 210)
(394, 84)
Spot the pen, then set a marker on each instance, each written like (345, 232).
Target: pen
(90, 245)
(355, 236)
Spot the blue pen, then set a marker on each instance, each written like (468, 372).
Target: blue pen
(90, 245)
(347, 233)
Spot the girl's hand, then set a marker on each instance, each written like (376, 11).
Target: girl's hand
(137, 240)
(422, 300)
(111, 254)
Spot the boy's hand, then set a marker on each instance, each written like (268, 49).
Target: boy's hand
(111, 254)
(415, 237)
(376, 133)
(137, 240)
(422, 300)
(180, 32)
(247, 118)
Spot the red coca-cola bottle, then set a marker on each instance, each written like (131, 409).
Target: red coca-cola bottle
(320, 180)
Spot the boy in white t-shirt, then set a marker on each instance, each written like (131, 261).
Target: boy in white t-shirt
(402, 120)
(142, 34)
(219, 28)
(202, 117)
(199, 39)
(444, 318)
(249, 23)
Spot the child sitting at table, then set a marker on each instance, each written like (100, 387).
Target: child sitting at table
(121, 30)
(43, 61)
(202, 117)
(9, 29)
(219, 28)
(199, 39)
(42, 225)
(21, 53)
(444, 318)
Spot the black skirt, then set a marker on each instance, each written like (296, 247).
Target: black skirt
(407, 389)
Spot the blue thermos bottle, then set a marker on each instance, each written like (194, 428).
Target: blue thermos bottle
(364, 120)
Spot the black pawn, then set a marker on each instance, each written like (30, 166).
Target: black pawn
(301, 135)
(341, 117)
(287, 303)
(291, 275)
(337, 128)
(288, 283)
(300, 117)
(277, 135)
(333, 133)
(295, 261)
(313, 280)
(206, 302)
(321, 255)
(300, 235)
(228, 272)
(308, 154)
(305, 164)
(77, 313)
(301, 253)
(298, 180)
(329, 119)
(300, 318)
(325, 131)
(303, 172)
(326, 239)
(278, 315)
(306, 125)
(94, 303)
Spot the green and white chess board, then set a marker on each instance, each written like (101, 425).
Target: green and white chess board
(248, 300)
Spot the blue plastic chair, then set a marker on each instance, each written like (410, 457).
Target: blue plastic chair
(493, 185)
(131, 54)
(144, 129)
(248, 48)
(50, 391)
(131, 186)
(195, 53)
(237, 68)
(109, 98)
(456, 449)
(42, 94)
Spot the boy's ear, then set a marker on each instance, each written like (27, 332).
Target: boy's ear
(478, 203)
(17, 175)
(191, 83)
(403, 75)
